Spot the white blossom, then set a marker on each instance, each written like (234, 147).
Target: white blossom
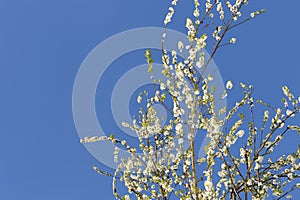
(229, 85)
(240, 133)
(233, 40)
(139, 99)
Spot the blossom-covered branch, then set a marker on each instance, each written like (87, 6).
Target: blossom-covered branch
(239, 160)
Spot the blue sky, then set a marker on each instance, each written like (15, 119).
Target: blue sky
(42, 45)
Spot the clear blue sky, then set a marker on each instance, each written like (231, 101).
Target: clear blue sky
(42, 45)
